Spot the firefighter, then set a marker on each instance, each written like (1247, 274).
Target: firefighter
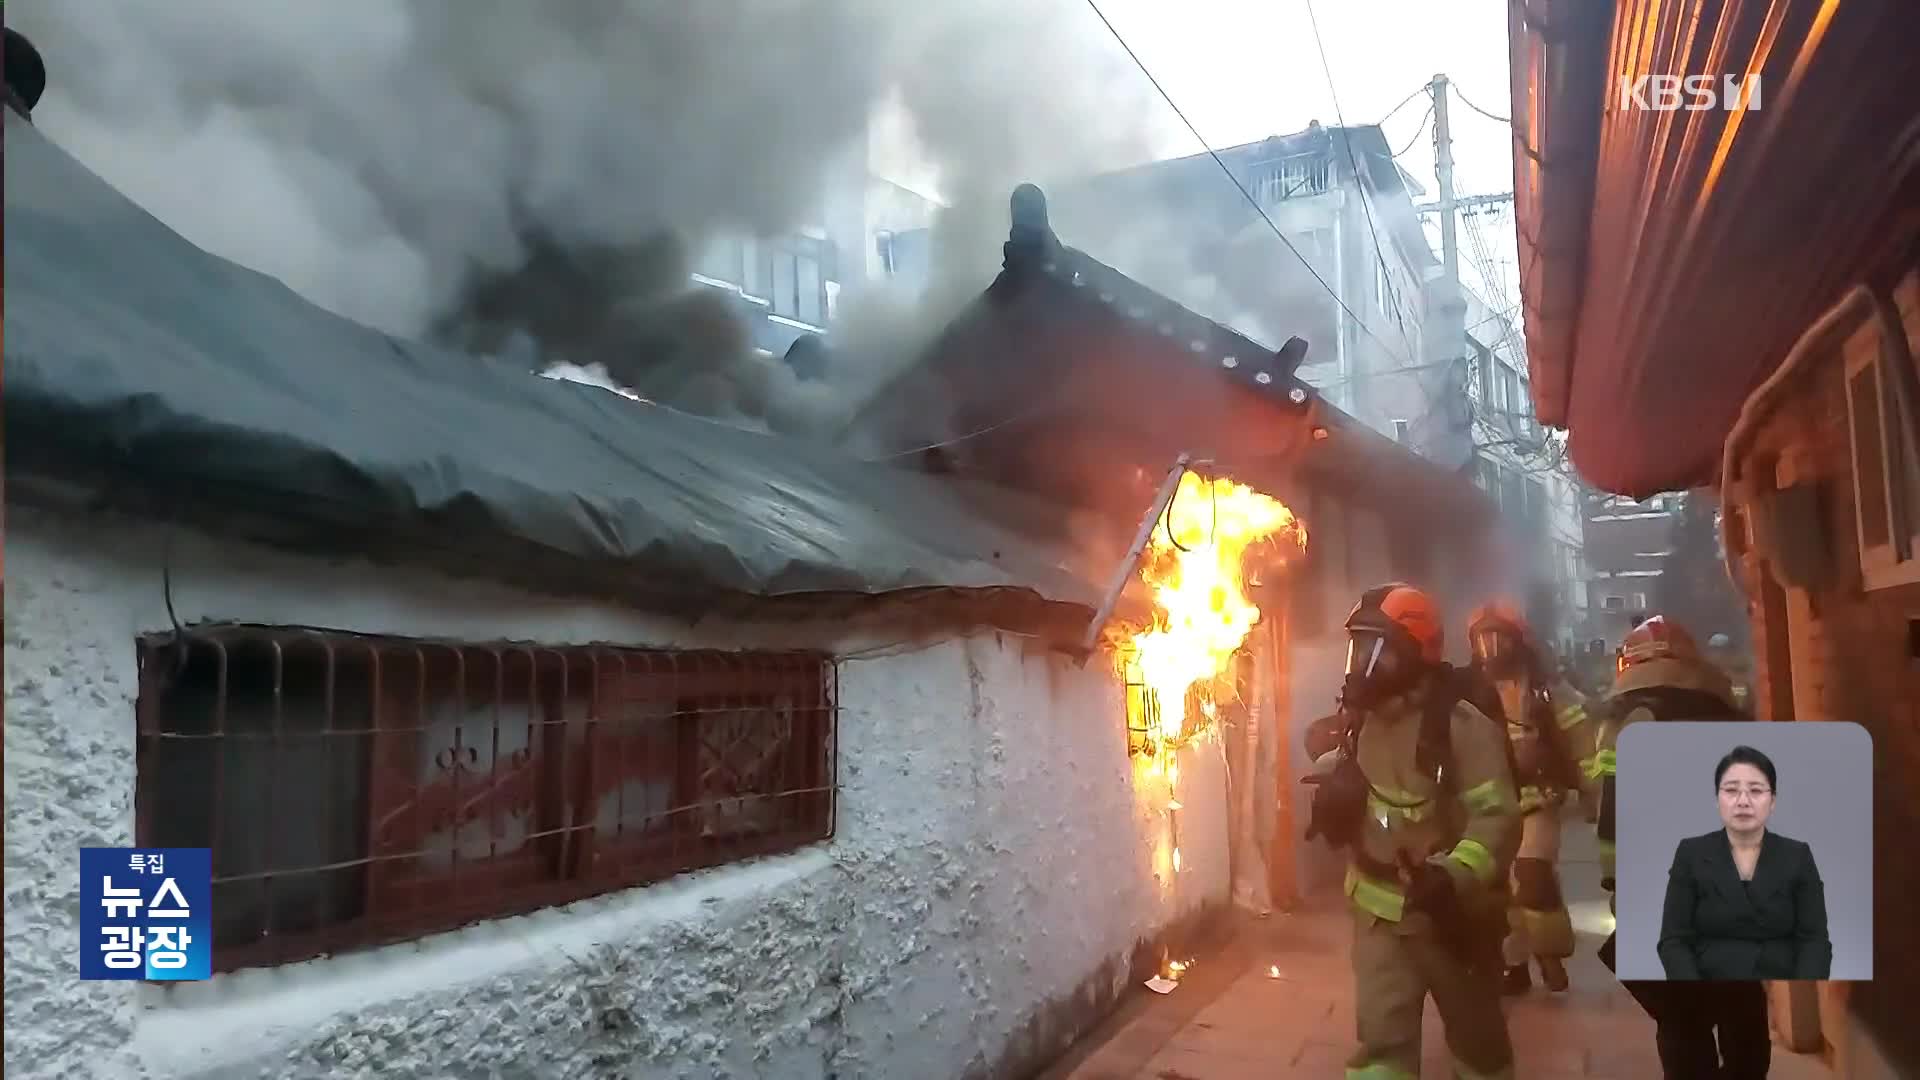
(1550, 735)
(1700, 1029)
(1421, 792)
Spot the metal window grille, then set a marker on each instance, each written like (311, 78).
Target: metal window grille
(1144, 707)
(1301, 174)
(358, 790)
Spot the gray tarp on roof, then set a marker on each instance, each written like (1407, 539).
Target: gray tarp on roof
(137, 360)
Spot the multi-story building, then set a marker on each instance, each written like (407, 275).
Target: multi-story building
(1628, 541)
(1523, 469)
(790, 286)
(1350, 276)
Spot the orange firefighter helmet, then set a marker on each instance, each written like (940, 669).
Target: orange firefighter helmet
(1394, 636)
(1399, 609)
(1657, 637)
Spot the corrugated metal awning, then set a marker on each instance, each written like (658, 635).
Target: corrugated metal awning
(1712, 237)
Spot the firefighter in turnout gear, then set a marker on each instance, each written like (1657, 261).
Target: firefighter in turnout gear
(1421, 793)
(1660, 675)
(1700, 1029)
(1552, 742)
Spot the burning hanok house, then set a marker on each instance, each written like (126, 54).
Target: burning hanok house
(539, 731)
(1729, 298)
(1069, 381)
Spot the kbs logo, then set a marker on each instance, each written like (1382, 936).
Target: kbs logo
(1690, 93)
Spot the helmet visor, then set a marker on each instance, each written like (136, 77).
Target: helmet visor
(1368, 656)
(1498, 652)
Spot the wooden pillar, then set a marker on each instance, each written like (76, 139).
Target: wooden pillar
(1283, 872)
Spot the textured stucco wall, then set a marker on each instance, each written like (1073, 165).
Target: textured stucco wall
(998, 858)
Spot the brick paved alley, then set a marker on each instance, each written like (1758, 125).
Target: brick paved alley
(1234, 1019)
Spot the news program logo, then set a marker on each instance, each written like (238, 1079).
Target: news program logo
(146, 913)
(1690, 93)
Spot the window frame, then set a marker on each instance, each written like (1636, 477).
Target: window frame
(551, 788)
(1897, 561)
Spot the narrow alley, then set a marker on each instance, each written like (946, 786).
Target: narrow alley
(1276, 1004)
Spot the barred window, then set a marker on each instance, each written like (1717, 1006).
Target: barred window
(358, 790)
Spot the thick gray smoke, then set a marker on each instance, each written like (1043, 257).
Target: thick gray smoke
(527, 179)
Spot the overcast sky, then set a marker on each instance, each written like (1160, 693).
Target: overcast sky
(1244, 69)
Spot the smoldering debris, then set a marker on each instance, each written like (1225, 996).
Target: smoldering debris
(526, 180)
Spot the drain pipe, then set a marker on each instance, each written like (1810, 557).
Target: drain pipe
(1858, 301)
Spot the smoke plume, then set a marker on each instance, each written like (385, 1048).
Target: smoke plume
(527, 179)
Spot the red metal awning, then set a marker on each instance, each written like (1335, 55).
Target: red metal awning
(1671, 258)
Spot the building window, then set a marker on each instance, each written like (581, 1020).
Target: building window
(883, 247)
(1513, 500)
(1886, 464)
(1400, 432)
(721, 260)
(811, 294)
(358, 790)
(1614, 603)
(1639, 601)
(786, 275)
(798, 290)
(756, 279)
(1477, 378)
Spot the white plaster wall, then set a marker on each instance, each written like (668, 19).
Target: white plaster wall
(997, 853)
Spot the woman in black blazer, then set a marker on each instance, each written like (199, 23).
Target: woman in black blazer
(1743, 904)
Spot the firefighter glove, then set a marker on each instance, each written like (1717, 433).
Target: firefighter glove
(1339, 803)
(1430, 889)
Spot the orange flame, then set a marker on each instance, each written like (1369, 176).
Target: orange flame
(1195, 565)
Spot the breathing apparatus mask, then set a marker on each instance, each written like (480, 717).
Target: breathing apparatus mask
(1393, 638)
(1499, 652)
(1380, 664)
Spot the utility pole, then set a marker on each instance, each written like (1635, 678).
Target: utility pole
(1449, 342)
(1443, 169)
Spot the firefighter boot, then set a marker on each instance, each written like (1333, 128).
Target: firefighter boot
(1544, 923)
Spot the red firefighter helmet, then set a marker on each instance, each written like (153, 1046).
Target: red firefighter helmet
(1656, 638)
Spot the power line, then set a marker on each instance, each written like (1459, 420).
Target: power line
(1242, 188)
(1417, 91)
(1416, 132)
(1044, 405)
(1509, 310)
(1478, 109)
